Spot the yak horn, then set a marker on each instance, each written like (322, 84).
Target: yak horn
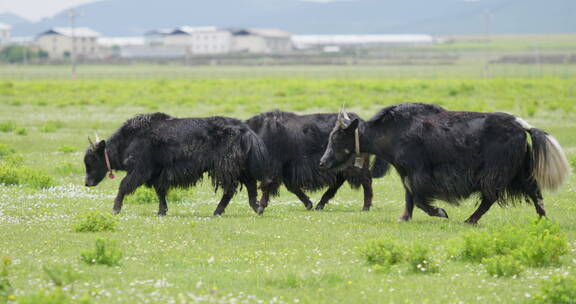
(92, 145)
(341, 121)
(97, 137)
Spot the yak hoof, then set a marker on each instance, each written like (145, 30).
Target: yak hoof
(403, 219)
(115, 211)
(160, 213)
(471, 221)
(309, 206)
(442, 213)
(218, 212)
(319, 207)
(367, 208)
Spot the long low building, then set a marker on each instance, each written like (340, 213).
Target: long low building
(61, 42)
(320, 41)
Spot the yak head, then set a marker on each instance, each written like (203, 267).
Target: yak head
(95, 163)
(341, 143)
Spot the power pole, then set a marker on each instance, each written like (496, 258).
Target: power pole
(72, 14)
(487, 40)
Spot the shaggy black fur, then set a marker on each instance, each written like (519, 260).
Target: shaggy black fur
(163, 152)
(296, 143)
(448, 155)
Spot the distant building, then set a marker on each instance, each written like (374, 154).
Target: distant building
(59, 41)
(5, 30)
(262, 41)
(200, 40)
(156, 37)
(332, 42)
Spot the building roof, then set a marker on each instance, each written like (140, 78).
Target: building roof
(68, 31)
(4, 26)
(264, 32)
(194, 29)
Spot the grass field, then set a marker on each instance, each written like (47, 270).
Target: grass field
(288, 255)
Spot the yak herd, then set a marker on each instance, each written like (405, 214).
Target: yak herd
(438, 154)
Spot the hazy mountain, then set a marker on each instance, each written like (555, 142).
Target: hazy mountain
(133, 17)
(12, 19)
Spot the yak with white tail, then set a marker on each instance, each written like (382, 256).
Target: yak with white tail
(450, 155)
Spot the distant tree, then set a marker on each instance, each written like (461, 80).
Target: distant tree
(20, 54)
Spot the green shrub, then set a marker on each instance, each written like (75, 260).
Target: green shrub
(420, 262)
(61, 275)
(66, 149)
(7, 126)
(558, 290)
(55, 296)
(145, 195)
(544, 247)
(6, 150)
(104, 253)
(19, 175)
(95, 222)
(503, 266)
(6, 290)
(21, 131)
(382, 252)
(51, 126)
(13, 159)
(536, 244)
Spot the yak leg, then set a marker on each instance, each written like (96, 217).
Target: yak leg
(301, 195)
(163, 205)
(329, 194)
(267, 188)
(485, 204)
(368, 193)
(226, 197)
(408, 209)
(536, 197)
(251, 187)
(128, 185)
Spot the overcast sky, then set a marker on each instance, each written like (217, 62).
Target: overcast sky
(38, 9)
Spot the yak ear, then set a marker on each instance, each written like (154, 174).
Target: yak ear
(100, 146)
(353, 125)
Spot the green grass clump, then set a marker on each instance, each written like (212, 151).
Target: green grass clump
(420, 261)
(68, 169)
(21, 131)
(61, 275)
(95, 222)
(7, 126)
(105, 253)
(6, 150)
(54, 296)
(503, 266)
(6, 290)
(558, 290)
(66, 149)
(382, 253)
(51, 126)
(145, 195)
(19, 175)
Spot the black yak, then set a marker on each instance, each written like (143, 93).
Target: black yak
(164, 152)
(448, 155)
(295, 144)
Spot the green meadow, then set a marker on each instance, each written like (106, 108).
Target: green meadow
(50, 223)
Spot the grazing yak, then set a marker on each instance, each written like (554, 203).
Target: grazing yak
(448, 155)
(295, 144)
(164, 152)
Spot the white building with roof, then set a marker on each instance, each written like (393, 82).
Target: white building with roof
(201, 40)
(5, 31)
(261, 40)
(60, 41)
